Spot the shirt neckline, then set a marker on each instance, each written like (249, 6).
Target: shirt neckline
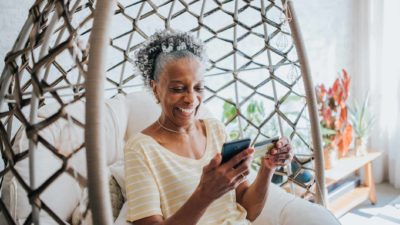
(169, 152)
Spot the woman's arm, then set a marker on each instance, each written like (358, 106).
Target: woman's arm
(253, 197)
(216, 180)
(189, 213)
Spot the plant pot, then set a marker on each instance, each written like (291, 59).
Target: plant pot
(360, 146)
(342, 154)
(330, 158)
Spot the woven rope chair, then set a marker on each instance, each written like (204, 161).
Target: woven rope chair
(72, 50)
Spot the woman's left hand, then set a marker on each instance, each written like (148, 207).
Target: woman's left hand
(279, 155)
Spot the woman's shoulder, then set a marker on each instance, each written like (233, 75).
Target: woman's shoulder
(215, 125)
(214, 122)
(137, 142)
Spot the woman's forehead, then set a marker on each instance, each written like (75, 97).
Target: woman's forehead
(184, 69)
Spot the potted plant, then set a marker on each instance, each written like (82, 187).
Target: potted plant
(255, 113)
(362, 121)
(332, 107)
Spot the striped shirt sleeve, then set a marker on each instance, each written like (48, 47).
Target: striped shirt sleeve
(141, 189)
(219, 130)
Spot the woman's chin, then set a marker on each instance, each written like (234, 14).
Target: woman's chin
(185, 118)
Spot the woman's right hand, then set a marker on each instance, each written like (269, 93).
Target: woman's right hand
(218, 179)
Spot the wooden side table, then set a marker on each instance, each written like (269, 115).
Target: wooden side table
(345, 167)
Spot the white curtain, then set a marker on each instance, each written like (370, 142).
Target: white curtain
(377, 66)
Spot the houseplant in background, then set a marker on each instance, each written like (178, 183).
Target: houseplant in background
(362, 121)
(335, 127)
(255, 113)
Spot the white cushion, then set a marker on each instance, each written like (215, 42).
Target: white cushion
(306, 213)
(142, 110)
(124, 117)
(121, 219)
(63, 195)
(16, 197)
(118, 172)
(280, 208)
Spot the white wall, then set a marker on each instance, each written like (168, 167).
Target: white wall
(326, 26)
(12, 17)
(327, 31)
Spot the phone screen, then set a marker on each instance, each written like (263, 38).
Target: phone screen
(230, 149)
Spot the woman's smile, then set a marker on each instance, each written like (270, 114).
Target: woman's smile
(186, 111)
(180, 92)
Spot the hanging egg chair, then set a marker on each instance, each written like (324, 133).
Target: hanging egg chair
(257, 81)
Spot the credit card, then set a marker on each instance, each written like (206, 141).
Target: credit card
(262, 147)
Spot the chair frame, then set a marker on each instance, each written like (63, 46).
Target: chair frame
(95, 82)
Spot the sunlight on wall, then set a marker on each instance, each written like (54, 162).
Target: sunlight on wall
(327, 31)
(389, 108)
(324, 24)
(390, 81)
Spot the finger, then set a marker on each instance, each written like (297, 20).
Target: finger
(214, 163)
(244, 155)
(280, 164)
(282, 142)
(242, 169)
(284, 156)
(274, 159)
(291, 155)
(283, 162)
(275, 151)
(239, 180)
(284, 149)
(270, 157)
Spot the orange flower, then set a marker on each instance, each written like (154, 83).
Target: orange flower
(345, 140)
(333, 111)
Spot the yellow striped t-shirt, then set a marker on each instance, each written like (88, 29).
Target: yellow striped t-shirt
(159, 182)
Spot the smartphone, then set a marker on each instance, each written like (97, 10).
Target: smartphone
(230, 149)
(262, 147)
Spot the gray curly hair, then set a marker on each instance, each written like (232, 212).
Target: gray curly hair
(163, 46)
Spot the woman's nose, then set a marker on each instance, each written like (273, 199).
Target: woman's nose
(190, 97)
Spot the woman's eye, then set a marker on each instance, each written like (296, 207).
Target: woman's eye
(177, 89)
(199, 89)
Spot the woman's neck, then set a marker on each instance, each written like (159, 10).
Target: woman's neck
(168, 126)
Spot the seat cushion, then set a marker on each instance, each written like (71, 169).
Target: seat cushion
(65, 136)
(142, 110)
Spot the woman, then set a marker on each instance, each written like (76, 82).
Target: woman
(173, 167)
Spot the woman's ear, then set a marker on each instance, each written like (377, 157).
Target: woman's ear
(153, 84)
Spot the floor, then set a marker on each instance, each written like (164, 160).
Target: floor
(385, 212)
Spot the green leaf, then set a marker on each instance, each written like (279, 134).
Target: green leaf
(229, 112)
(361, 118)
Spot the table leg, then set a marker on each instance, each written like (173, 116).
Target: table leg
(369, 182)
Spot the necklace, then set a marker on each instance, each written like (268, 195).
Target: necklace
(167, 129)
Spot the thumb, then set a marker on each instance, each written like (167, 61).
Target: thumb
(214, 162)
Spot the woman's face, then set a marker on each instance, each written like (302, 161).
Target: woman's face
(180, 89)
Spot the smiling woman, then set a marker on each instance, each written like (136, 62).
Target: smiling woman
(173, 167)
(179, 90)
(53, 64)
